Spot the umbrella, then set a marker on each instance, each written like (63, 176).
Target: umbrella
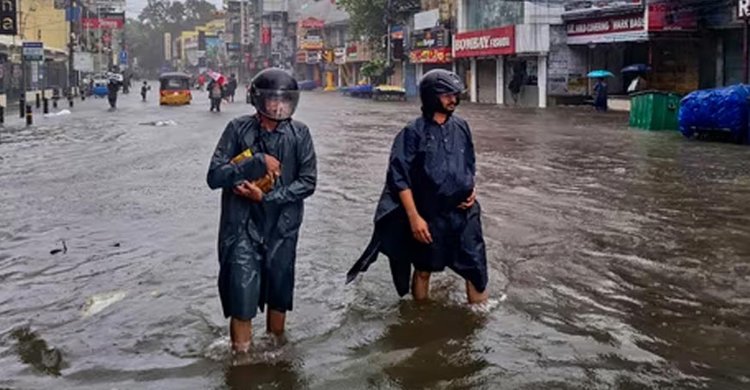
(598, 74)
(218, 77)
(115, 77)
(636, 68)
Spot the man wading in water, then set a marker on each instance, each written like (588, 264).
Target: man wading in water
(265, 165)
(428, 216)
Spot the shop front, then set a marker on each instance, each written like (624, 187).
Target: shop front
(481, 62)
(661, 34)
(310, 47)
(355, 55)
(430, 49)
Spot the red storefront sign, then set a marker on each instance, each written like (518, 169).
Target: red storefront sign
(103, 23)
(672, 17)
(494, 42)
(311, 23)
(439, 55)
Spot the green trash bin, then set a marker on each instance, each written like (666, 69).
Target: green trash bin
(654, 110)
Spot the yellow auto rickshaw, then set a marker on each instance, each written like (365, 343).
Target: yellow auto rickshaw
(174, 89)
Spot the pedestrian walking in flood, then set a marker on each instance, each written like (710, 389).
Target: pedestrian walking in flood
(231, 87)
(428, 217)
(265, 165)
(600, 95)
(113, 87)
(216, 93)
(144, 90)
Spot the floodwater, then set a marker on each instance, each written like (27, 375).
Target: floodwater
(619, 259)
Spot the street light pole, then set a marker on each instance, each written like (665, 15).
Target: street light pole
(243, 27)
(71, 48)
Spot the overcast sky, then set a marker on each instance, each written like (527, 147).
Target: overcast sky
(134, 7)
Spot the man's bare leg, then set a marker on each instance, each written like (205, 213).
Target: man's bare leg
(475, 296)
(275, 321)
(420, 285)
(240, 331)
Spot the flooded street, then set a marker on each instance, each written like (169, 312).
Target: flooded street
(619, 259)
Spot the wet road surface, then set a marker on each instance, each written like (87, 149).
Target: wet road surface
(619, 259)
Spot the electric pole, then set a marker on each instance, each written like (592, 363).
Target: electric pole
(71, 47)
(243, 30)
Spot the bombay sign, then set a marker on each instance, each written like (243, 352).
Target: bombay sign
(493, 42)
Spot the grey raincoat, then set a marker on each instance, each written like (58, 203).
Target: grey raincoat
(258, 241)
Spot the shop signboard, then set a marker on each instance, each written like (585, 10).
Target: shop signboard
(351, 52)
(439, 55)
(313, 57)
(618, 28)
(426, 39)
(493, 42)
(301, 57)
(743, 9)
(310, 34)
(33, 51)
(9, 18)
(672, 16)
(339, 55)
(114, 21)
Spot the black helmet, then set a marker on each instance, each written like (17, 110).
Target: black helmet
(274, 86)
(435, 83)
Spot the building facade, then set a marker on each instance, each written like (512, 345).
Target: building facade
(37, 21)
(661, 33)
(501, 49)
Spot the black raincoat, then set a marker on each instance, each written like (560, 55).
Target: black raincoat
(438, 164)
(258, 241)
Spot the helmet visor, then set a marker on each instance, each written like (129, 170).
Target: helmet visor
(276, 104)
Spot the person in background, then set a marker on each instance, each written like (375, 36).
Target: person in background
(231, 87)
(638, 84)
(600, 95)
(144, 89)
(113, 87)
(216, 93)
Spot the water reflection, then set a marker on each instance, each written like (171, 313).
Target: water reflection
(437, 342)
(33, 350)
(276, 375)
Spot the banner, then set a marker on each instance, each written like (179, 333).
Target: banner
(106, 21)
(665, 16)
(440, 55)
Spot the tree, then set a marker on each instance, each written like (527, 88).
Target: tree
(146, 33)
(370, 18)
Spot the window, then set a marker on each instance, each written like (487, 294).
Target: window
(486, 14)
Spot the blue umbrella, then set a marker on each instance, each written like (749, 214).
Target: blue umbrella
(636, 68)
(598, 74)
